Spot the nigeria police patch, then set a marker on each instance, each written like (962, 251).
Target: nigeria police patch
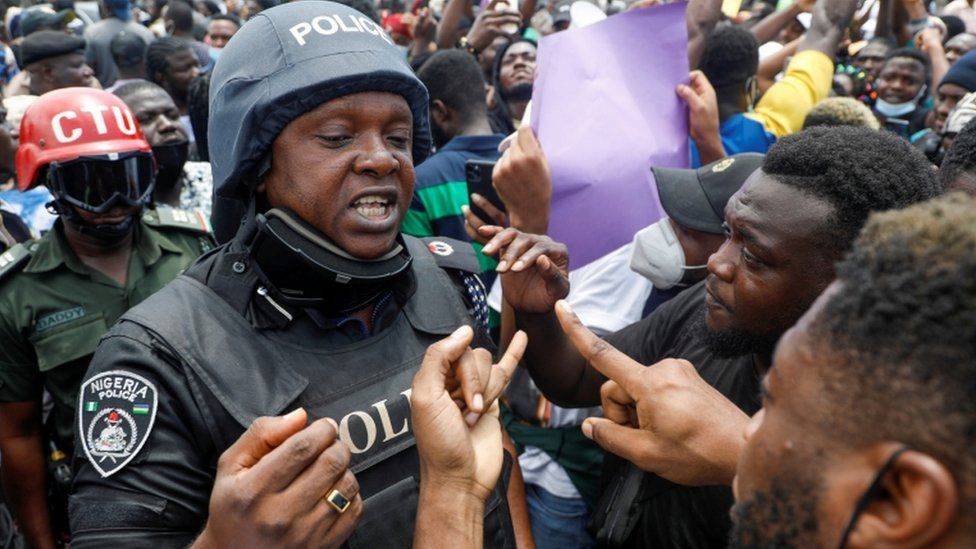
(116, 411)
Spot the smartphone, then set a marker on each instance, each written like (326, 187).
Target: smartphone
(478, 176)
(897, 126)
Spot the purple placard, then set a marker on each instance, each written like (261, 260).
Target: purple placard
(605, 110)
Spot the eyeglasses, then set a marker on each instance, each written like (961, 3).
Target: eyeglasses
(99, 183)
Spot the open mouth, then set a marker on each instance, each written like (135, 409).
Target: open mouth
(374, 207)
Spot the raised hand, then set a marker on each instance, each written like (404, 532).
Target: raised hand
(534, 268)
(524, 183)
(272, 484)
(455, 413)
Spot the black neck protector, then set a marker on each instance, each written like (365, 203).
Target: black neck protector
(306, 269)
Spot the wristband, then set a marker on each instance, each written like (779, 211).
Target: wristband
(464, 44)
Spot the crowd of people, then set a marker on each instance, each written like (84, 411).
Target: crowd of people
(280, 274)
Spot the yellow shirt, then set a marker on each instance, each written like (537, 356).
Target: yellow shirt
(786, 103)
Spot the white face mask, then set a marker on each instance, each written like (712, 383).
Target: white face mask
(658, 256)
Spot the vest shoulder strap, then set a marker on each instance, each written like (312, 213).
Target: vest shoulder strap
(449, 253)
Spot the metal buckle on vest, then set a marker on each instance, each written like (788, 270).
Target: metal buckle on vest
(263, 292)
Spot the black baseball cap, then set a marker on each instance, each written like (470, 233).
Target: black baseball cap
(561, 12)
(37, 18)
(45, 44)
(696, 198)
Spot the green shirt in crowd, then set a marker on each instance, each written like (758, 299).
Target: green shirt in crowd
(54, 308)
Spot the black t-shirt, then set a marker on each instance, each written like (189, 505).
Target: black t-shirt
(674, 515)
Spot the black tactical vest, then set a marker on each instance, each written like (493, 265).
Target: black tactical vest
(364, 386)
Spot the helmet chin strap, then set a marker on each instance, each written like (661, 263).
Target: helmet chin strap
(108, 232)
(307, 269)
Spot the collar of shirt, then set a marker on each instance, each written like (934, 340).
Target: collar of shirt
(485, 144)
(52, 250)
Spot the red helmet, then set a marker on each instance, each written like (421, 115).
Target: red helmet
(72, 122)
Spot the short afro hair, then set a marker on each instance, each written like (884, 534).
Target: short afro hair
(841, 111)
(454, 77)
(855, 170)
(910, 53)
(899, 328)
(731, 56)
(960, 159)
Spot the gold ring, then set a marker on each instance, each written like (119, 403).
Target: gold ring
(337, 500)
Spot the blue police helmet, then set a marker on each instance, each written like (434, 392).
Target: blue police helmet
(287, 61)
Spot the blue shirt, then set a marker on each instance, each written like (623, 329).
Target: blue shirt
(739, 134)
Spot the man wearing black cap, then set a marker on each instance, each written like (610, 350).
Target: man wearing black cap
(55, 60)
(673, 252)
(785, 229)
(43, 18)
(116, 17)
(129, 54)
(957, 82)
(316, 305)
(561, 16)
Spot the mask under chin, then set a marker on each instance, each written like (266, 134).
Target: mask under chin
(306, 269)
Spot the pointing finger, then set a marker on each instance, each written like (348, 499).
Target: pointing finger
(600, 354)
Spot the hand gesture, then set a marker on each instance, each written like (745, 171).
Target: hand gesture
(455, 413)
(490, 24)
(472, 222)
(534, 268)
(663, 418)
(272, 483)
(703, 120)
(929, 41)
(524, 183)
(425, 26)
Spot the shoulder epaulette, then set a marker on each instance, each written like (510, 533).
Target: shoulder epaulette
(188, 220)
(449, 253)
(13, 259)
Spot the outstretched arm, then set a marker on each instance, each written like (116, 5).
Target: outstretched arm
(702, 16)
(830, 18)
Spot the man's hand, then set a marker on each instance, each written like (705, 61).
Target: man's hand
(929, 41)
(534, 268)
(489, 24)
(472, 222)
(703, 120)
(524, 183)
(271, 485)
(455, 414)
(663, 418)
(425, 26)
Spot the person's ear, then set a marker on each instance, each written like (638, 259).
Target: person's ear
(439, 113)
(917, 506)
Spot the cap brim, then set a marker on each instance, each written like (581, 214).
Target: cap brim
(684, 201)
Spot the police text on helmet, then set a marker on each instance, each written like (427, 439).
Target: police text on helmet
(326, 25)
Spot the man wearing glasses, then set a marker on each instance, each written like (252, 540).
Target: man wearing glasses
(109, 250)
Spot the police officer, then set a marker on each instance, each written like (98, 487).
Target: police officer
(59, 295)
(316, 304)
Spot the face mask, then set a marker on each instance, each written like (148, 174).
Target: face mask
(658, 256)
(170, 158)
(868, 496)
(894, 110)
